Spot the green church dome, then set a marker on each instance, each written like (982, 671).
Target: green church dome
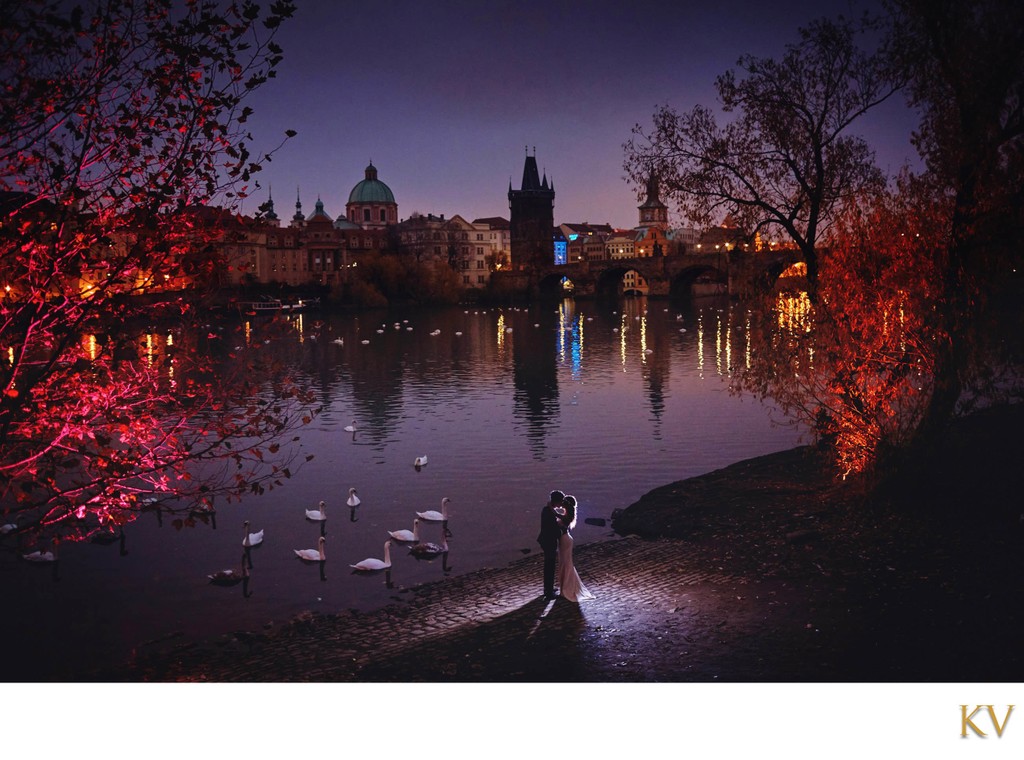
(371, 189)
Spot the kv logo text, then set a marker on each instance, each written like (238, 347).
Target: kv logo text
(967, 719)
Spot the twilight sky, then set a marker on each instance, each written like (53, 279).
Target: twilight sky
(443, 96)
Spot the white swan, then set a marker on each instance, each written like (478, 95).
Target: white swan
(312, 555)
(351, 428)
(317, 515)
(420, 461)
(40, 556)
(406, 536)
(10, 527)
(353, 500)
(433, 515)
(376, 564)
(251, 539)
(339, 341)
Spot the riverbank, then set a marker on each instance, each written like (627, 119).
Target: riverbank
(763, 571)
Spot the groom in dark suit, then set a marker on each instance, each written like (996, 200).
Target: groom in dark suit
(550, 533)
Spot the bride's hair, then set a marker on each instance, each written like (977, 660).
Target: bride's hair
(570, 511)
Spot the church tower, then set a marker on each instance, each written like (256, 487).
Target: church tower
(532, 222)
(653, 213)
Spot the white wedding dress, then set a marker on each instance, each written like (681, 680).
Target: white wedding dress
(571, 588)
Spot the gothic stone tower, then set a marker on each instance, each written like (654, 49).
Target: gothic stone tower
(532, 211)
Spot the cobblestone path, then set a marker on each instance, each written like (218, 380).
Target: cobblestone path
(660, 613)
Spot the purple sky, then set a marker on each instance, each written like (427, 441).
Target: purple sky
(443, 96)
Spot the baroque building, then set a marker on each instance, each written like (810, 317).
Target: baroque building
(371, 203)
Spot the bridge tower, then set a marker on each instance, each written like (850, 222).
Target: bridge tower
(532, 212)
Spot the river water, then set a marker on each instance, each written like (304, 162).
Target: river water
(605, 402)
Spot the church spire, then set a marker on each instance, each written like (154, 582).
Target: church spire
(298, 219)
(270, 216)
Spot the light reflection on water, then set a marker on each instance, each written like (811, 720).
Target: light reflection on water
(605, 402)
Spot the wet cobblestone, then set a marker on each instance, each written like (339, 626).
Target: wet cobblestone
(660, 613)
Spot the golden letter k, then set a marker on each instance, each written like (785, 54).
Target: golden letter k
(965, 721)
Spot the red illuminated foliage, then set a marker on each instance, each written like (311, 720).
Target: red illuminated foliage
(964, 64)
(861, 367)
(119, 120)
(858, 366)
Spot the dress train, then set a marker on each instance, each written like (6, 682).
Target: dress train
(571, 588)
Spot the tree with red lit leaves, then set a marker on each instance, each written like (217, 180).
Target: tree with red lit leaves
(914, 310)
(119, 121)
(918, 317)
(858, 365)
(785, 160)
(964, 64)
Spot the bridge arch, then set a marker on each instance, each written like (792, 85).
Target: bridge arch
(786, 272)
(551, 285)
(699, 279)
(611, 281)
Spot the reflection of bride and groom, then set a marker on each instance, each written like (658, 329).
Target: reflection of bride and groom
(557, 519)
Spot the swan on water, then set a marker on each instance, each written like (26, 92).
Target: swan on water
(433, 515)
(40, 556)
(353, 500)
(229, 577)
(406, 536)
(376, 564)
(351, 428)
(428, 549)
(251, 539)
(317, 515)
(420, 461)
(312, 555)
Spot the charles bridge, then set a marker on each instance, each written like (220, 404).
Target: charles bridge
(738, 273)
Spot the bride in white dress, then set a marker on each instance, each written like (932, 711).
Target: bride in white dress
(571, 588)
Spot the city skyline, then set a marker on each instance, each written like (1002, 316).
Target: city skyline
(447, 99)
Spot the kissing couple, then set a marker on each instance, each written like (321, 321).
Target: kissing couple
(557, 519)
